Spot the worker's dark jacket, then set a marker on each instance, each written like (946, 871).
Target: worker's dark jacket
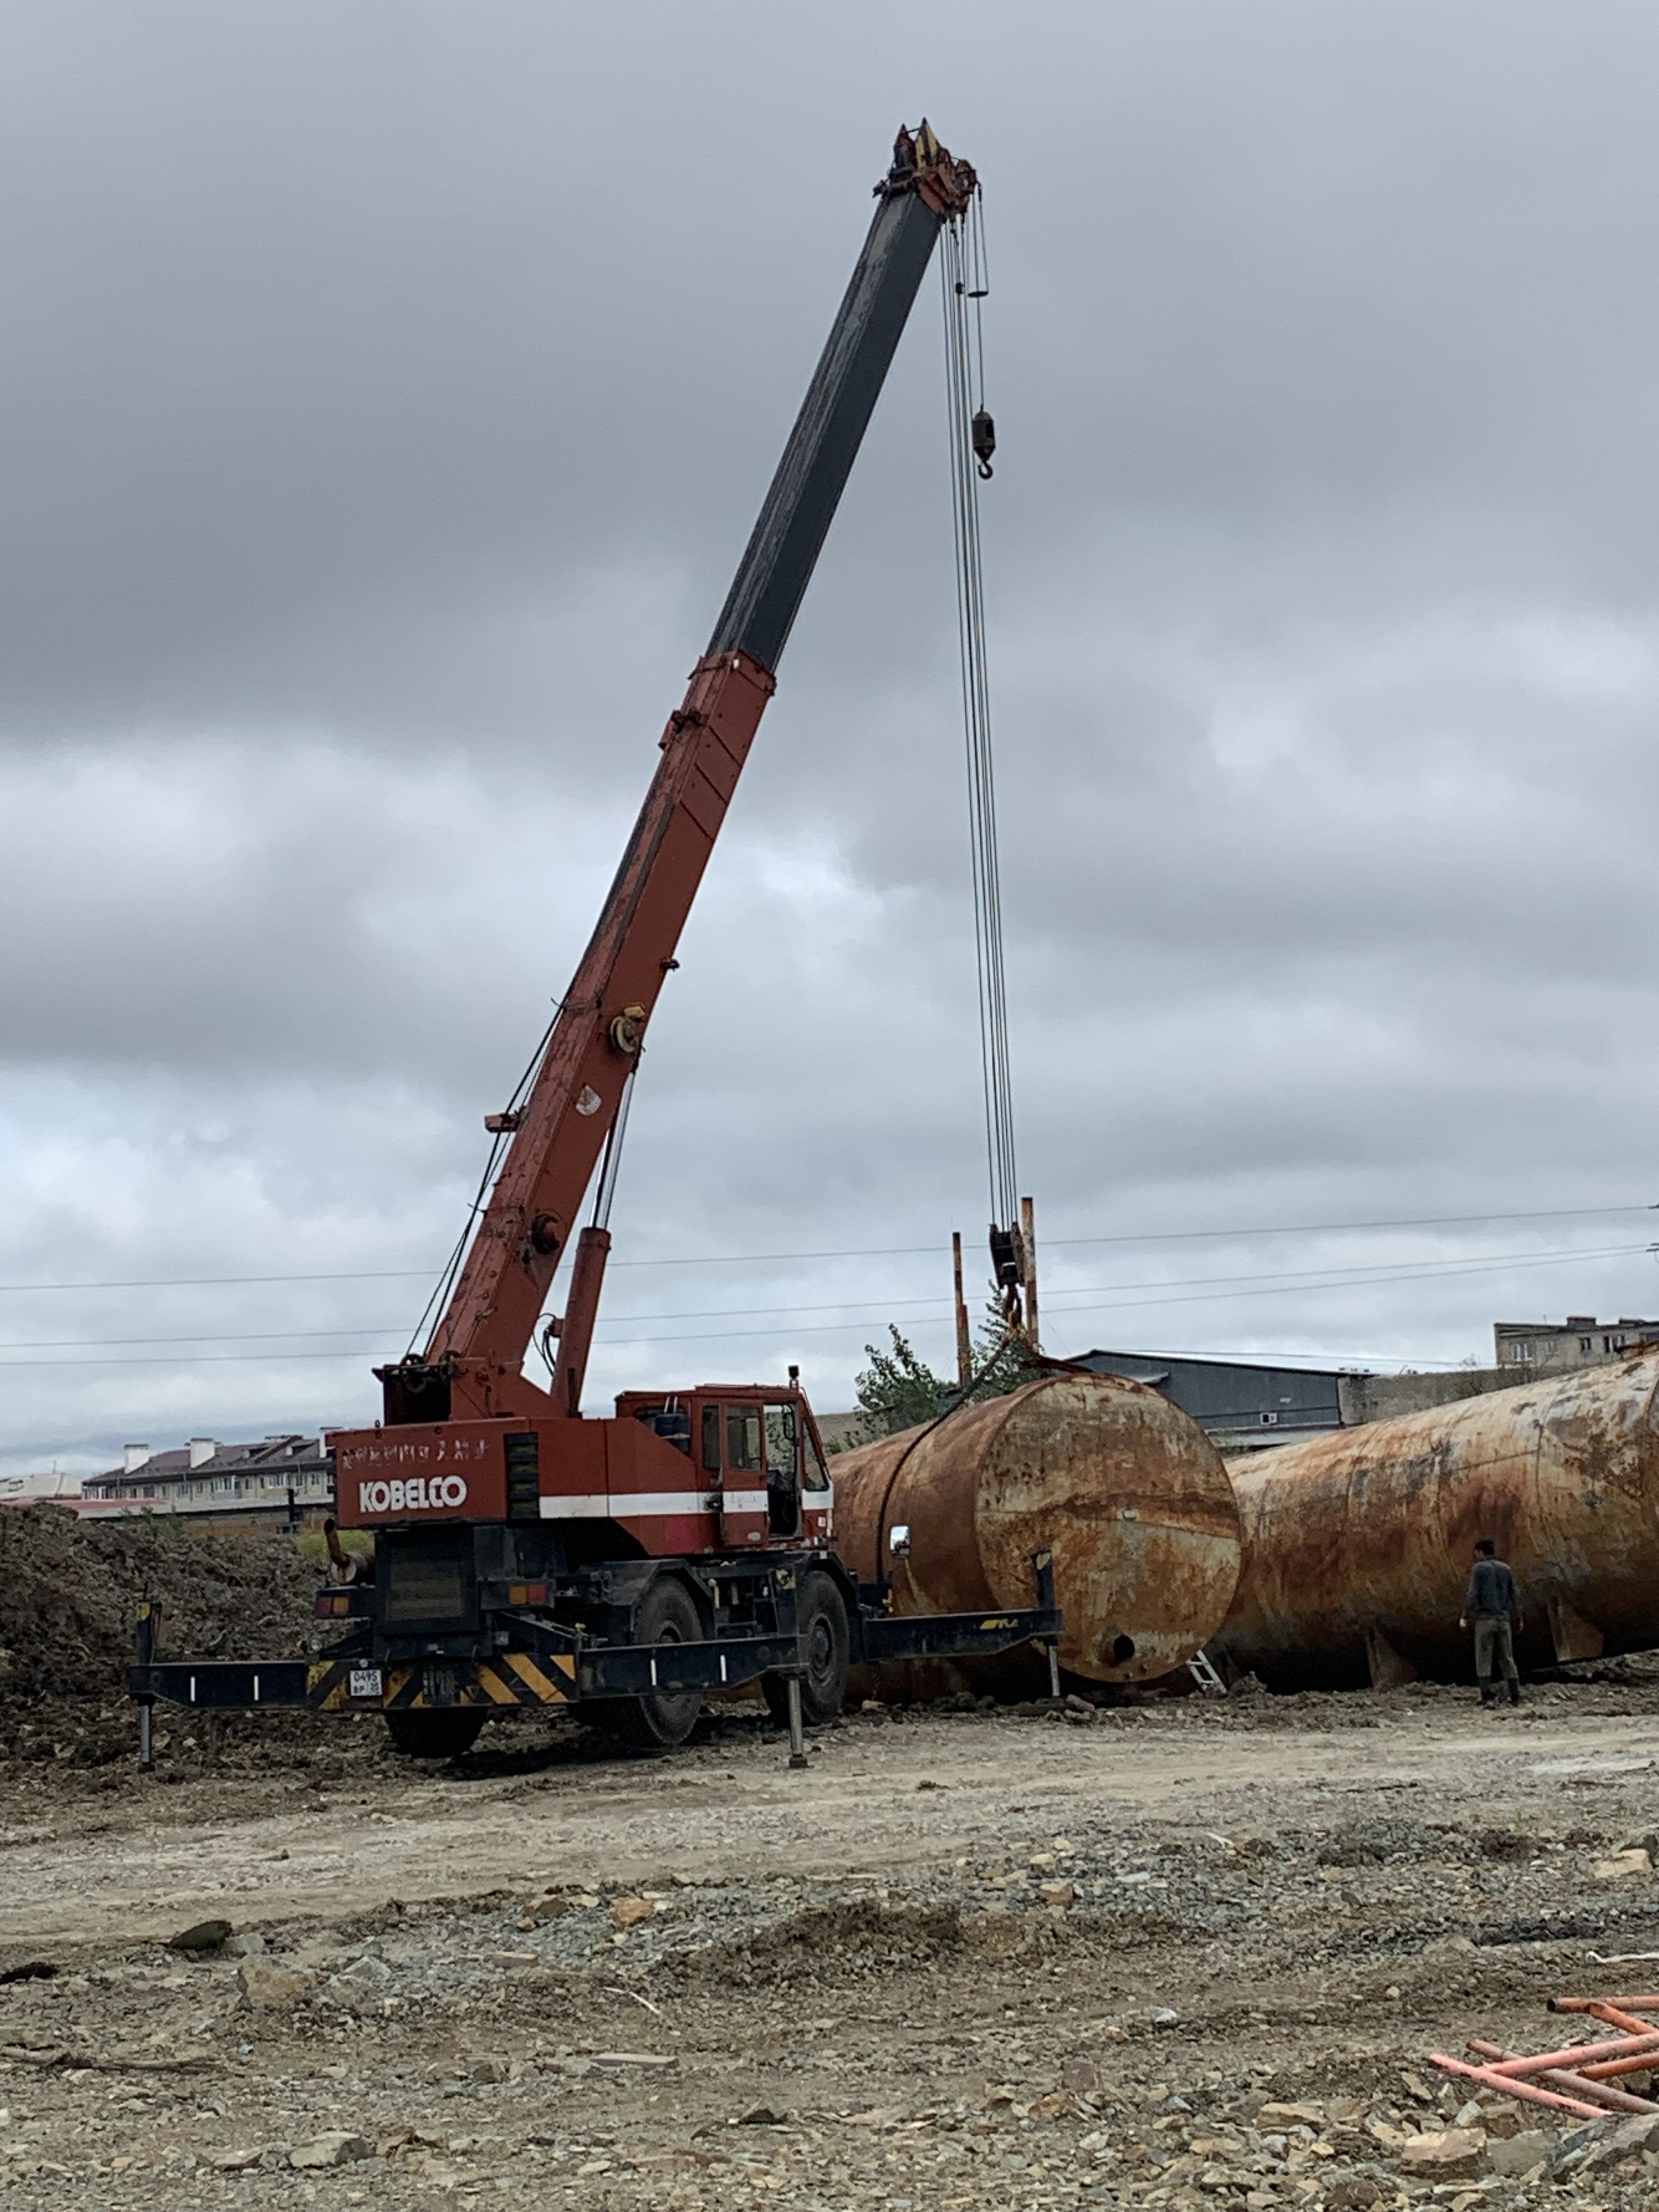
(1492, 1594)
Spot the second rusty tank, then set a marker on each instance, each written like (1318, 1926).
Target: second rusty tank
(1122, 1487)
(1358, 1544)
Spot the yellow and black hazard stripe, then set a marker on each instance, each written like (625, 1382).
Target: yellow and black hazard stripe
(514, 1679)
(325, 1686)
(526, 1681)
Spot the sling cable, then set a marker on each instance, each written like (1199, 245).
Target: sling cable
(965, 284)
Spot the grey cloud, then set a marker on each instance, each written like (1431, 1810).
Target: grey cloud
(388, 393)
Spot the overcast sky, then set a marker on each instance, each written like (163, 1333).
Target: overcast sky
(388, 391)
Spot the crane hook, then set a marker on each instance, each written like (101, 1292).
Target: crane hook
(983, 432)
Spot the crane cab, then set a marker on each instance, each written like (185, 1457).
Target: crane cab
(721, 1468)
(755, 1454)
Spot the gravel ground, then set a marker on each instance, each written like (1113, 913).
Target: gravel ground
(1179, 1954)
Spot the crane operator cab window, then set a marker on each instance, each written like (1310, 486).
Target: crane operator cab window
(815, 1472)
(742, 1455)
(747, 1445)
(783, 1470)
(743, 1440)
(672, 1422)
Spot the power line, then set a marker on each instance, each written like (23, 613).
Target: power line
(199, 1282)
(1373, 1279)
(195, 1360)
(875, 1251)
(1302, 1278)
(1354, 1228)
(205, 1336)
(1199, 1291)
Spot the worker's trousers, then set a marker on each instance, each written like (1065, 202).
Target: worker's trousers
(1493, 1640)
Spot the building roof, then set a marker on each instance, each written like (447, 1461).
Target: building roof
(1293, 1383)
(1233, 1396)
(28, 1488)
(1572, 1321)
(269, 1454)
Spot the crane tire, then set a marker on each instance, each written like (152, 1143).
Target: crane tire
(444, 1734)
(667, 1614)
(821, 1611)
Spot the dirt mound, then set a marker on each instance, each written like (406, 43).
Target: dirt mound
(69, 1591)
(851, 1938)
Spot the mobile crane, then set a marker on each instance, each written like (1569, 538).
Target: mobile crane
(524, 1553)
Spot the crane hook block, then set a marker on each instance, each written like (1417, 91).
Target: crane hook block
(627, 1030)
(1005, 1258)
(984, 434)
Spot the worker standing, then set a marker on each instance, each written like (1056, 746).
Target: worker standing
(1491, 1606)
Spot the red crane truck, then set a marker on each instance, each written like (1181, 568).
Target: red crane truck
(526, 1555)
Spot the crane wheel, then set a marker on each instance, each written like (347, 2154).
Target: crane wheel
(821, 1611)
(443, 1735)
(667, 1614)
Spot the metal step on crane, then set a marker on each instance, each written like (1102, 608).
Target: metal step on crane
(526, 1554)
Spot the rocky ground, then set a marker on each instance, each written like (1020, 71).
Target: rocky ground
(1179, 1954)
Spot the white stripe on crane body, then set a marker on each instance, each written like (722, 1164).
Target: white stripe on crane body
(649, 1504)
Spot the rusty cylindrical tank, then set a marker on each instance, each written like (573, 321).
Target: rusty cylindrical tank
(1357, 1545)
(1126, 1491)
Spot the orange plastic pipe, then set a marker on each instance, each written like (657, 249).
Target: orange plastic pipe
(1618, 2100)
(1491, 2078)
(1584, 2054)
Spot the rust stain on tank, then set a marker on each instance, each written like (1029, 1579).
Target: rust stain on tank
(1124, 1489)
(1358, 1544)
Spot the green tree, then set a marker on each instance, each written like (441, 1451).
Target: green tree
(899, 1390)
(896, 1390)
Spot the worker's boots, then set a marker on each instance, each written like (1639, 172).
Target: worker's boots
(1488, 1695)
(1514, 1692)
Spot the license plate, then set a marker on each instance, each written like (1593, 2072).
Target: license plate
(365, 1682)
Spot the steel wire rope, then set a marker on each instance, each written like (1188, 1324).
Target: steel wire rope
(446, 1283)
(610, 1167)
(962, 277)
(979, 284)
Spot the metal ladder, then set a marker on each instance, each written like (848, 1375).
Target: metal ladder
(1204, 1674)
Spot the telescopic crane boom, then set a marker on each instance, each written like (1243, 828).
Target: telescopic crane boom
(472, 1365)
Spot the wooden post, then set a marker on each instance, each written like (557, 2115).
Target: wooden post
(965, 1342)
(1027, 1238)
